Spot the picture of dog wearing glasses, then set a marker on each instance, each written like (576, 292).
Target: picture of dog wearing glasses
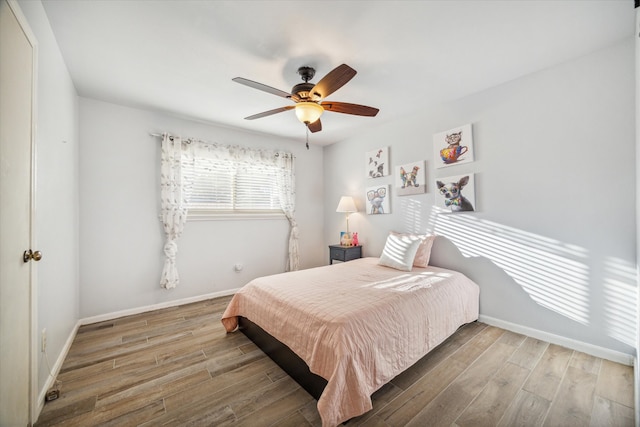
(450, 190)
(377, 202)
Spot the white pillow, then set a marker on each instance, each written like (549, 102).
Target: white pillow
(424, 250)
(399, 252)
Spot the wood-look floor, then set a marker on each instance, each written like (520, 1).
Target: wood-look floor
(177, 367)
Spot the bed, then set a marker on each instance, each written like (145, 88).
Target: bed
(355, 325)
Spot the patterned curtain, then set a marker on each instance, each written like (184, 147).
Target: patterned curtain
(173, 195)
(286, 184)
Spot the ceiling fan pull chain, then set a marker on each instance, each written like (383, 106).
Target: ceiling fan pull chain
(307, 136)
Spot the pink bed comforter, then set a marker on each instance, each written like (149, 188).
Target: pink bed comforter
(357, 324)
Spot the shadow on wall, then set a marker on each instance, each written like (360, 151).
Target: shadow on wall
(554, 274)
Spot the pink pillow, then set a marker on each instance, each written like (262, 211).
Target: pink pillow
(424, 250)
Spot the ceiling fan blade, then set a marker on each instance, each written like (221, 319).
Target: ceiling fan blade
(315, 126)
(262, 87)
(333, 81)
(270, 112)
(346, 108)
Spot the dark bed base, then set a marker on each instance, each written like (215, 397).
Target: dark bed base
(290, 362)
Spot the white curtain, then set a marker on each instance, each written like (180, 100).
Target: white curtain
(286, 184)
(174, 196)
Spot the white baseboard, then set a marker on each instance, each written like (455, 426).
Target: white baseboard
(144, 309)
(636, 388)
(55, 369)
(594, 350)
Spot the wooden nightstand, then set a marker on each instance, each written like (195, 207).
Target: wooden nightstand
(344, 253)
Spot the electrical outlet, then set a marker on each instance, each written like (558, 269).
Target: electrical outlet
(43, 345)
(52, 394)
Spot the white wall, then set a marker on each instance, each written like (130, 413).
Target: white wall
(553, 243)
(56, 192)
(120, 231)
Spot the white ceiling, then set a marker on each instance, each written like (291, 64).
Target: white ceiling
(180, 56)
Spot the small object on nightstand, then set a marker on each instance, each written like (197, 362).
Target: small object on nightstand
(344, 253)
(345, 239)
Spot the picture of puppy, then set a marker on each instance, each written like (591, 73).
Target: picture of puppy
(378, 171)
(410, 179)
(377, 162)
(452, 193)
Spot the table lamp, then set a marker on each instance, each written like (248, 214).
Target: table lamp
(346, 205)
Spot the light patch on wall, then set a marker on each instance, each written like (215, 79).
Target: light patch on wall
(553, 273)
(411, 211)
(409, 282)
(620, 294)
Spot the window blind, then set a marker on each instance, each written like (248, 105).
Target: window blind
(231, 185)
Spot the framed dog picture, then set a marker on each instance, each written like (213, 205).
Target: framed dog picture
(453, 147)
(410, 179)
(456, 193)
(377, 162)
(378, 200)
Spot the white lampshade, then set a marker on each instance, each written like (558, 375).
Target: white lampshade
(308, 112)
(346, 204)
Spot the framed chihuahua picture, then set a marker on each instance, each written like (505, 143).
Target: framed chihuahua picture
(410, 179)
(378, 200)
(453, 147)
(456, 193)
(377, 162)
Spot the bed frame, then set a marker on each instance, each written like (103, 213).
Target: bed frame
(284, 357)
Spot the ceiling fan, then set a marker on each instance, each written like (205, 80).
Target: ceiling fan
(309, 97)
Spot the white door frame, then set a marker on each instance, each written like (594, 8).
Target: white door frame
(636, 366)
(34, 406)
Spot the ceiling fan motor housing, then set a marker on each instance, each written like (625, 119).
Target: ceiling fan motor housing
(302, 90)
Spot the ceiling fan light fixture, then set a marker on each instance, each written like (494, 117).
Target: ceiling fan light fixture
(308, 112)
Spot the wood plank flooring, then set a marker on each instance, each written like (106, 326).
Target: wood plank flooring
(178, 367)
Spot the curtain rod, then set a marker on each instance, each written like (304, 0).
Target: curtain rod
(187, 140)
(190, 140)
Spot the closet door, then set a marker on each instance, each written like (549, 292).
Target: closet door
(17, 82)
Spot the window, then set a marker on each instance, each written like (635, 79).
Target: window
(222, 181)
(220, 184)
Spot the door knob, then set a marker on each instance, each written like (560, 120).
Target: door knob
(30, 255)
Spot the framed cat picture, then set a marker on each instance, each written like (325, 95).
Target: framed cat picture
(453, 147)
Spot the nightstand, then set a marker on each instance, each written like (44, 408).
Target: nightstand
(344, 253)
